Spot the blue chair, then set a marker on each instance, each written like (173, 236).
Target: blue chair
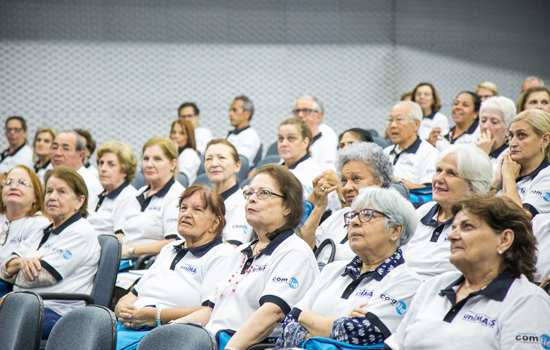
(269, 159)
(182, 179)
(177, 337)
(202, 179)
(272, 150)
(21, 321)
(139, 180)
(258, 155)
(245, 168)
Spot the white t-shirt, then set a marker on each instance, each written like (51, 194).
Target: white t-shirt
(541, 230)
(428, 250)
(184, 277)
(434, 120)
(246, 141)
(188, 163)
(334, 228)
(202, 137)
(416, 163)
(323, 147)
(114, 209)
(41, 170)
(14, 232)
(21, 156)
(158, 218)
(510, 313)
(281, 274)
(306, 169)
(387, 291)
(91, 179)
(70, 253)
(534, 189)
(469, 136)
(236, 229)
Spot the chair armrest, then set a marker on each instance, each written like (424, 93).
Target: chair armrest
(88, 299)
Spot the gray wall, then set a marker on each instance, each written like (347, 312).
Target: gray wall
(121, 68)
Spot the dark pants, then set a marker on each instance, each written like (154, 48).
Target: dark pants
(48, 321)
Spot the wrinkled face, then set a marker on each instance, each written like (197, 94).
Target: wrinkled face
(491, 120)
(156, 166)
(370, 236)
(18, 190)
(424, 97)
(401, 127)
(266, 212)
(307, 110)
(188, 113)
(111, 174)
(195, 220)
(347, 139)
(290, 143)
(463, 109)
(484, 93)
(43, 144)
(60, 201)
(178, 135)
(219, 163)
(447, 185)
(473, 242)
(525, 144)
(64, 151)
(356, 175)
(14, 133)
(238, 117)
(538, 100)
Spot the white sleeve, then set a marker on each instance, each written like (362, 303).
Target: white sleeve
(538, 194)
(126, 208)
(249, 146)
(428, 168)
(188, 163)
(216, 270)
(170, 218)
(326, 276)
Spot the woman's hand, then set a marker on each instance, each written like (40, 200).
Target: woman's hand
(323, 184)
(435, 134)
(359, 311)
(486, 141)
(31, 268)
(131, 317)
(510, 168)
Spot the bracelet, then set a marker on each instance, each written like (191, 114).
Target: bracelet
(158, 320)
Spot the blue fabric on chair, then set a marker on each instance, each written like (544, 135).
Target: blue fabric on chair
(420, 196)
(125, 265)
(49, 320)
(178, 337)
(321, 343)
(128, 338)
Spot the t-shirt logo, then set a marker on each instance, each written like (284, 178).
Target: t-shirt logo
(401, 307)
(546, 196)
(67, 254)
(293, 283)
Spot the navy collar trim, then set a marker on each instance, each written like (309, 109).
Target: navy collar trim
(144, 202)
(413, 148)
(38, 167)
(113, 194)
(315, 138)
(495, 153)
(353, 269)
(227, 193)
(303, 159)
(496, 290)
(535, 172)
(71, 220)
(471, 129)
(429, 220)
(277, 237)
(200, 250)
(237, 131)
(6, 153)
(430, 116)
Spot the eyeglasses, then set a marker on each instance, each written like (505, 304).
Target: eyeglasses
(305, 111)
(14, 130)
(261, 193)
(16, 182)
(365, 215)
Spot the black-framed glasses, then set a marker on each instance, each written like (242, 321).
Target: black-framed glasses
(261, 193)
(365, 215)
(305, 111)
(16, 182)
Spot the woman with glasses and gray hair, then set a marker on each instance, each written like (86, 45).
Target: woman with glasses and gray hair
(360, 165)
(461, 170)
(361, 301)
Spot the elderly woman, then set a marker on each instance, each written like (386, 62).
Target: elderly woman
(191, 267)
(116, 166)
(269, 274)
(485, 90)
(525, 174)
(222, 164)
(63, 257)
(495, 115)
(490, 302)
(22, 201)
(361, 301)
(182, 133)
(360, 164)
(434, 123)
(353, 135)
(461, 170)
(42, 143)
(155, 224)
(535, 98)
(293, 140)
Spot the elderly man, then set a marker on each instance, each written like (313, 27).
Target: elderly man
(413, 158)
(243, 137)
(324, 143)
(190, 111)
(69, 149)
(18, 152)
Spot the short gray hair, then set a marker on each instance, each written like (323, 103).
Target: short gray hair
(318, 104)
(415, 112)
(388, 201)
(473, 165)
(372, 155)
(248, 105)
(502, 105)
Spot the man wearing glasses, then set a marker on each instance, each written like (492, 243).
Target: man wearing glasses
(324, 143)
(18, 152)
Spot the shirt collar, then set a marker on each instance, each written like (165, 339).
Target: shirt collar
(471, 129)
(496, 290)
(353, 269)
(495, 153)
(200, 250)
(237, 131)
(430, 218)
(6, 153)
(227, 193)
(277, 237)
(411, 149)
(315, 138)
(113, 194)
(303, 159)
(71, 220)
(535, 172)
(38, 167)
(430, 116)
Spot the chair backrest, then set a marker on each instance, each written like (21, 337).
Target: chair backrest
(107, 270)
(269, 159)
(139, 180)
(272, 150)
(202, 179)
(245, 167)
(21, 321)
(327, 245)
(258, 155)
(85, 328)
(202, 169)
(182, 179)
(177, 337)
